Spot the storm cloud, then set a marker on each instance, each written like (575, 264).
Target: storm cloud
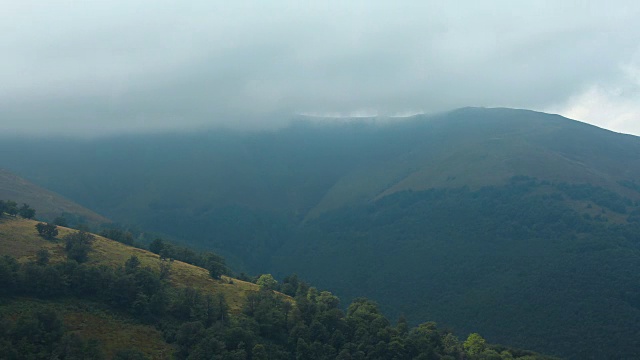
(97, 67)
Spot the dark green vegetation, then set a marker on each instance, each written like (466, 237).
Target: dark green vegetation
(11, 208)
(47, 231)
(41, 335)
(197, 324)
(515, 261)
(519, 225)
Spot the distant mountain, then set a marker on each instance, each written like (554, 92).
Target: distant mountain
(477, 147)
(49, 204)
(460, 217)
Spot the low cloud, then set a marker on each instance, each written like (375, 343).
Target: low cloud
(97, 67)
(614, 105)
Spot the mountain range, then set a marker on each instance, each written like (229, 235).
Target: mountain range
(521, 225)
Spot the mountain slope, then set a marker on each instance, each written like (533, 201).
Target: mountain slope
(51, 306)
(456, 217)
(49, 204)
(115, 330)
(529, 263)
(19, 239)
(480, 147)
(307, 169)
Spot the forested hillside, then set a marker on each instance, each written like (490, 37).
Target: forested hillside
(460, 217)
(66, 295)
(558, 260)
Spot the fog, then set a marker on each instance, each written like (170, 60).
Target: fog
(98, 67)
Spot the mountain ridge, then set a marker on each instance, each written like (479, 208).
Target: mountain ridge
(523, 152)
(49, 204)
(474, 209)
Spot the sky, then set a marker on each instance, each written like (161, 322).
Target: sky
(103, 67)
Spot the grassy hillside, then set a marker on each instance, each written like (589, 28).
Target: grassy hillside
(19, 239)
(49, 204)
(115, 330)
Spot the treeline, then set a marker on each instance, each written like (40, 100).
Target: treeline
(11, 208)
(213, 262)
(605, 198)
(79, 241)
(270, 326)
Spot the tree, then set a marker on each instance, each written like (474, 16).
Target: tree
(26, 212)
(118, 235)
(78, 246)
(403, 325)
(475, 344)
(215, 264)
(11, 207)
(267, 281)
(259, 352)
(156, 246)
(132, 264)
(216, 269)
(61, 221)
(165, 268)
(47, 231)
(42, 257)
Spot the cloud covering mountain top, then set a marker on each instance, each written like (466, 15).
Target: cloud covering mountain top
(96, 67)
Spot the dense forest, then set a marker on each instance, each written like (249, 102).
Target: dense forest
(287, 320)
(528, 263)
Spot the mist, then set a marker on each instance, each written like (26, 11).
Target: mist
(94, 68)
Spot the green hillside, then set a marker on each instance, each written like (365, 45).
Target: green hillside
(482, 147)
(556, 263)
(459, 217)
(52, 305)
(19, 239)
(247, 190)
(91, 319)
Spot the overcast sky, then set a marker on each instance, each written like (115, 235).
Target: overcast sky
(98, 67)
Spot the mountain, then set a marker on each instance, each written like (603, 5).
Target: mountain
(310, 167)
(121, 302)
(479, 147)
(49, 204)
(460, 217)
